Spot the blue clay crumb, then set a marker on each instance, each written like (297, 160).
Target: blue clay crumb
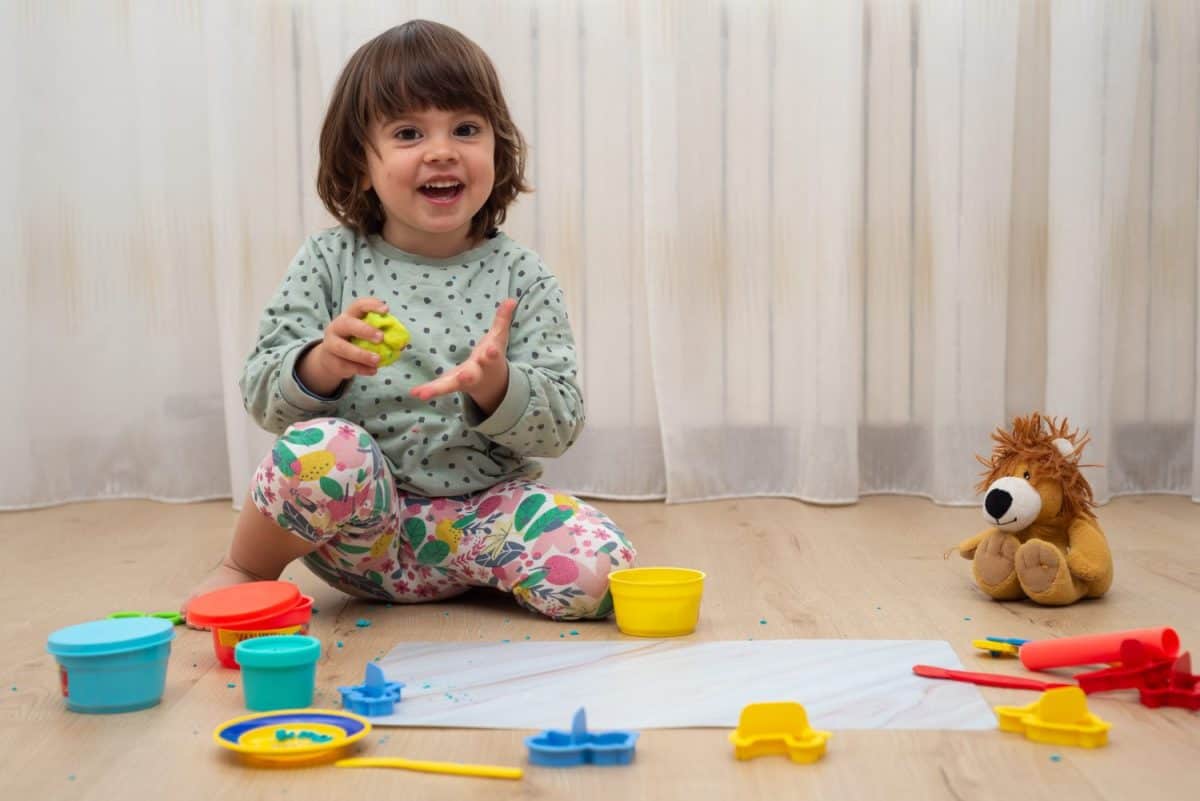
(283, 735)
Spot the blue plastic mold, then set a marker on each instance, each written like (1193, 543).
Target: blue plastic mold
(561, 749)
(374, 696)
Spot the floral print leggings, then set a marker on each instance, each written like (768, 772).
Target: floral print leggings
(327, 482)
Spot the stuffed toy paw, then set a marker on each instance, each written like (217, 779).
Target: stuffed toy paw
(395, 337)
(1044, 542)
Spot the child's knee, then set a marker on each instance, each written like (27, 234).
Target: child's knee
(327, 447)
(593, 607)
(625, 554)
(326, 462)
(576, 586)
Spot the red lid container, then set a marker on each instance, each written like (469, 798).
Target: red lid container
(255, 609)
(241, 603)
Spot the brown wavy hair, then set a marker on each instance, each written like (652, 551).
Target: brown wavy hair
(1032, 441)
(414, 66)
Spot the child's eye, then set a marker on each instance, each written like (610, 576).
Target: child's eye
(467, 129)
(408, 134)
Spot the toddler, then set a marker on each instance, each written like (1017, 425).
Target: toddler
(413, 481)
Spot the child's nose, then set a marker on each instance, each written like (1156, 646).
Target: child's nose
(440, 151)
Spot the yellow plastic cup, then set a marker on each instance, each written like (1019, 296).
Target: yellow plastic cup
(656, 601)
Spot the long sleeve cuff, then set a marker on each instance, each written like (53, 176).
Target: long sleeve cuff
(508, 413)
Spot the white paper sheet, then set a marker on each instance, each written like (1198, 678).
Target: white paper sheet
(649, 684)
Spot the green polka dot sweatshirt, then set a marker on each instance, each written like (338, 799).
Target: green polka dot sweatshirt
(444, 446)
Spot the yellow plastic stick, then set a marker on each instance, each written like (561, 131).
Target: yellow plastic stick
(455, 768)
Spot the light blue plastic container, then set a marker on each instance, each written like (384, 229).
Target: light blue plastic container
(279, 671)
(109, 666)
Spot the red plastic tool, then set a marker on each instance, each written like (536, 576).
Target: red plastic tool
(1138, 669)
(1181, 690)
(1159, 682)
(986, 679)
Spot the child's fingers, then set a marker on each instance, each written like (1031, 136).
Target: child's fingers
(346, 351)
(344, 326)
(354, 368)
(503, 319)
(353, 327)
(361, 306)
(440, 386)
(501, 326)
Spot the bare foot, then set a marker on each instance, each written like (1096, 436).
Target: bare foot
(225, 574)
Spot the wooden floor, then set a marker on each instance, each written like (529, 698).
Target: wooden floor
(873, 570)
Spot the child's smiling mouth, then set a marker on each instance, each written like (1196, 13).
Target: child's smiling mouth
(442, 192)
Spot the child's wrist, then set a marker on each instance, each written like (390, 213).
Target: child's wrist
(491, 389)
(314, 374)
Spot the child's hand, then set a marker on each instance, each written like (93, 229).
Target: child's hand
(335, 359)
(484, 375)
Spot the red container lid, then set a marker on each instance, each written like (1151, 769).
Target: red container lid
(231, 605)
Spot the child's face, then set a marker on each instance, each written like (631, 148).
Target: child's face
(432, 171)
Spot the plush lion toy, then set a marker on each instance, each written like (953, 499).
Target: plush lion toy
(1045, 543)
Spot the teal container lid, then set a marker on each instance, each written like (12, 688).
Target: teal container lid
(103, 637)
(277, 651)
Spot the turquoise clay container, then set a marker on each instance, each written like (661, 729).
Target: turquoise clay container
(279, 671)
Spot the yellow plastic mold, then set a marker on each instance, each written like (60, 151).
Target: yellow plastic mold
(1059, 717)
(777, 728)
(395, 337)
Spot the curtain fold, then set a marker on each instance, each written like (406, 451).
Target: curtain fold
(813, 249)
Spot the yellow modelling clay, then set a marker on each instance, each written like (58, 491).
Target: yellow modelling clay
(395, 337)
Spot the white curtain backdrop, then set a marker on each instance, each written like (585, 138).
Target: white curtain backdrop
(813, 248)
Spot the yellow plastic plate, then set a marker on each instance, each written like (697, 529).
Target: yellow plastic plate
(292, 737)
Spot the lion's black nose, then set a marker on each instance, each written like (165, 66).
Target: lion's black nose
(997, 503)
